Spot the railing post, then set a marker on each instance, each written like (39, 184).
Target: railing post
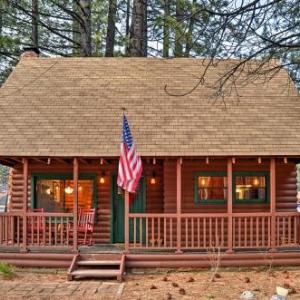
(229, 206)
(178, 203)
(273, 202)
(126, 225)
(75, 204)
(25, 203)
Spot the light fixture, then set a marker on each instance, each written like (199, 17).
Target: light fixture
(68, 190)
(80, 188)
(102, 178)
(202, 181)
(48, 191)
(256, 182)
(153, 178)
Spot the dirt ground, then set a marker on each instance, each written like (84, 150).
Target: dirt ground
(188, 284)
(229, 284)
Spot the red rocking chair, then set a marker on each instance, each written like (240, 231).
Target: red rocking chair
(85, 227)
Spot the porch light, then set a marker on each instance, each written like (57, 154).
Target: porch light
(255, 182)
(153, 178)
(202, 181)
(102, 178)
(68, 190)
(48, 191)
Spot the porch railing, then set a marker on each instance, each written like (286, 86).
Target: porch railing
(210, 231)
(42, 230)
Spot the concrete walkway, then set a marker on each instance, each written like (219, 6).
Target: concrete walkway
(66, 290)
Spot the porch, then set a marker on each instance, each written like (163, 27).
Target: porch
(171, 222)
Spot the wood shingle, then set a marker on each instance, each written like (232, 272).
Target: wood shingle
(72, 107)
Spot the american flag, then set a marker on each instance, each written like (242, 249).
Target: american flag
(130, 163)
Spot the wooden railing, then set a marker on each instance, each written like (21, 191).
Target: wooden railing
(287, 229)
(159, 231)
(153, 231)
(251, 230)
(210, 231)
(42, 230)
(203, 231)
(11, 229)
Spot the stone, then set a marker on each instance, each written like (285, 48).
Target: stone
(247, 295)
(277, 297)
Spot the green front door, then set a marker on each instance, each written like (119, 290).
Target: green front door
(137, 206)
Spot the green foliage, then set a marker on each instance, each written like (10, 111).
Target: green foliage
(7, 270)
(182, 27)
(4, 171)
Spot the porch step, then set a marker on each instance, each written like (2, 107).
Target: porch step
(95, 273)
(97, 265)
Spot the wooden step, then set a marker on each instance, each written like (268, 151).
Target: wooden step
(99, 263)
(96, 265)
(101, 256)
(95, 273)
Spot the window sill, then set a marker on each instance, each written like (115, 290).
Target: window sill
(211, 201)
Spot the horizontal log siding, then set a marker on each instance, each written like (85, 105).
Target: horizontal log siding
(285, 195)
(102, 227)
(285, 186)
(154, 193)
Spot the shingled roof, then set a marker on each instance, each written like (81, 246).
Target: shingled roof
(71, 107)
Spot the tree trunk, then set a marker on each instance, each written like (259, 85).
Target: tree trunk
(85, 27)
(1, 17)
(111, 28)
(166, 33)
(76, 30)
(138, 32)
(178, 30)
(127, 26)
(145, 30)
(189, 40)
(34, 22)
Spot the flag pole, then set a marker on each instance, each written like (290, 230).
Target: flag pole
(126, 210)
(126, 227)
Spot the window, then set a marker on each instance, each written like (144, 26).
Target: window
(210, 187)
(56, 193)
(251, 187)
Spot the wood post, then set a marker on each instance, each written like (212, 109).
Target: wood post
(126, 220)
(75, 204)
(25, 202)
(273, 202)
(178, 204)
(229, 206)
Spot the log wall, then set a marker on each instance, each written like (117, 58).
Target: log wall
(161, 197)
(154, 194)
(286, 185)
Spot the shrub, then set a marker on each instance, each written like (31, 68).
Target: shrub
(7, 270)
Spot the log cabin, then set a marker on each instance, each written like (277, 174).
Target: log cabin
(219, 176)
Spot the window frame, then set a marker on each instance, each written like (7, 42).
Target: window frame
(62, 176)
(208, 174)
(265, 174)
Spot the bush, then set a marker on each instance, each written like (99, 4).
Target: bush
(7, 270)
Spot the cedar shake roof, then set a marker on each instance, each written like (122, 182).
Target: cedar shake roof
(71, 107)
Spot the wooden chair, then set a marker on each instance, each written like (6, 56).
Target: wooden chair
(85, 227)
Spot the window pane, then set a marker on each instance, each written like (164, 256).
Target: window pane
(58, 195)
(50, 195)
(250, 187)
(212, 187)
